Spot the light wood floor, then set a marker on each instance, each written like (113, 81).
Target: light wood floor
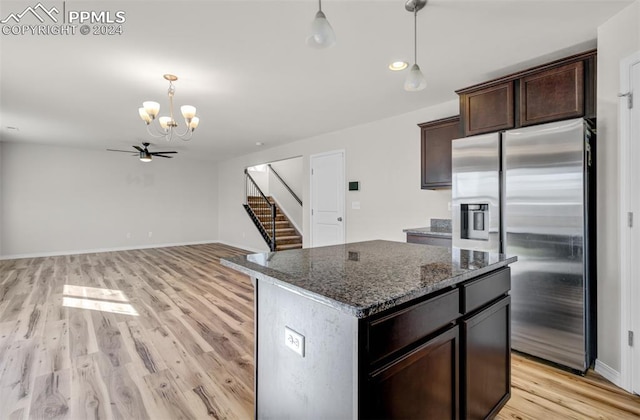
(188, 353)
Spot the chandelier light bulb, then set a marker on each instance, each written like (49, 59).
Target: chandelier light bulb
(415, 80)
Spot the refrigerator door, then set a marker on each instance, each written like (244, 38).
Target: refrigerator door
(475, 165)
(544, 225)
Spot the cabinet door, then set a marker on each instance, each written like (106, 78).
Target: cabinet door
(552, 95)
(486, 363)
(422, 384)
(436, 139)
(488, 109)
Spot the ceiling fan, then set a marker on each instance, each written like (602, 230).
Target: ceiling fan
(144, 154)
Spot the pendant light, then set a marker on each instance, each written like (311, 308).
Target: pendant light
(322, 35)
(415, 80)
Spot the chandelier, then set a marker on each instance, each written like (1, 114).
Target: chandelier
(168, 125)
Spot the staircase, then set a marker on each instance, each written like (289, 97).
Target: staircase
(287, 237)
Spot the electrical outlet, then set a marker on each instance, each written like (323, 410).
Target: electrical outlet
(294, 341)
(150, 234)
(355, 205)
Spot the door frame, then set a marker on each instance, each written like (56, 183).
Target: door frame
(312, 192)
(626, 249)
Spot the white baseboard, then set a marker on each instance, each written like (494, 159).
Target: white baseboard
(246, 248)
(607, 372)
(96, 250)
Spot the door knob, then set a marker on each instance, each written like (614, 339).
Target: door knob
(339, 219)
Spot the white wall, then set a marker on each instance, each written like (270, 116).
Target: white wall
(383, 155)
(60, 200)
(291, 171)
(617, 38)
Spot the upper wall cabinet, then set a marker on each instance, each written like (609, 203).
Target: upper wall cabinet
(553, 94)
(488, 109)
(435, 145)
(554, 91)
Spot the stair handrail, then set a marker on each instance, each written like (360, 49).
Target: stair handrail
(285, 184)
(272, 242)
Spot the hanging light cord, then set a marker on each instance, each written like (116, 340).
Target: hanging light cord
(415, 35)
(320, 5)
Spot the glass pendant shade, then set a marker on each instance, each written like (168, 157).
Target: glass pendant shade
(151, 108)
(194, 123)
(322, 35)
(188, 111)
(415, 80)
(143, 114)
(164, 122)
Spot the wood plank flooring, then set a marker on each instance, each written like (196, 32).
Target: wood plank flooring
(170, 336)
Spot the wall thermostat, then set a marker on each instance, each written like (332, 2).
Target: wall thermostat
(354, 185)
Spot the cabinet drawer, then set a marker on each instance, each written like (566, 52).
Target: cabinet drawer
(483, 290)
(406, 326)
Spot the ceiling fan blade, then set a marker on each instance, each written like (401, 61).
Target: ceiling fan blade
(124, 151)
(155, 153)
(138, 148)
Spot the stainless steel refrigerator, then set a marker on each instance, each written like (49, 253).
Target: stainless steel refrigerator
(530, 192)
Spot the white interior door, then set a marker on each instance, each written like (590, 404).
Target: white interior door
(327, 198)
(634, 229)
(629, 246)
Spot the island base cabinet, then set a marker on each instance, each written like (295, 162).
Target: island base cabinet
(422, 384)
(486, 371)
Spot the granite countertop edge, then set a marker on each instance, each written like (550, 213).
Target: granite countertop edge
(428, 231)
(364, 312)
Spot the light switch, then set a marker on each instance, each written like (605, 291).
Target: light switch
(294, 341)
(355, 205)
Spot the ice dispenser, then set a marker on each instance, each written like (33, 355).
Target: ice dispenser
(474, 221)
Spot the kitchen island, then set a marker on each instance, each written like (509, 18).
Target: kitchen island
(380, 329)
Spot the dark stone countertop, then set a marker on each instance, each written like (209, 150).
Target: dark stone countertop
(365, 278)
(429, 231)
(438, 227)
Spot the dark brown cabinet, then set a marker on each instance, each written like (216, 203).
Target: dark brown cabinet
(428, 375)
(435, 151)
(488, 109)
(443, 357)
(554, 91)
(552, 95)
(486, 368)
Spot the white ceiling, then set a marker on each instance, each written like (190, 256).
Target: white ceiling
(246, 67)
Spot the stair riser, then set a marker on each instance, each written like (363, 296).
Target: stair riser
(288, 241)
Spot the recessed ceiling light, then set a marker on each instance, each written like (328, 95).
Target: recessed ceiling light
(398, 65)
(259, 143)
